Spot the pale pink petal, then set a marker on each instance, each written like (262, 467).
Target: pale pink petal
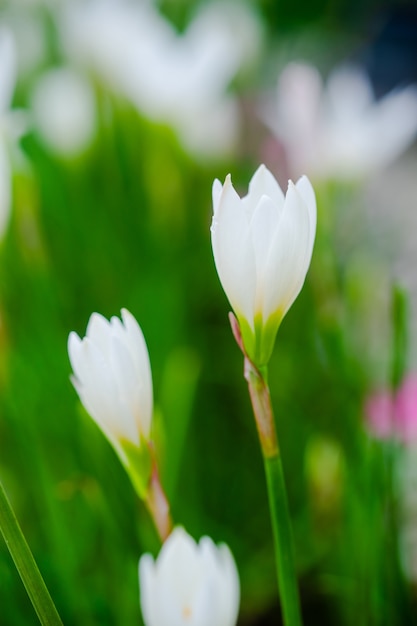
(379, 414)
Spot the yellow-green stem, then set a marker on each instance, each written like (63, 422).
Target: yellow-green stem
(26, 565)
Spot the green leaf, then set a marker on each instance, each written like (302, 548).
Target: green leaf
(26, 565)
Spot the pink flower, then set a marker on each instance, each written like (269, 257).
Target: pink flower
(394, 416)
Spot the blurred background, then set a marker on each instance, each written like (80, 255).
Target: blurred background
(115, 118)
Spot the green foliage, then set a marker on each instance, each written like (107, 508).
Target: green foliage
(127, 225)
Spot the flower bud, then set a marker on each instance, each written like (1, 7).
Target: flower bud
(112, 376)
(262, 247)
(189, 584)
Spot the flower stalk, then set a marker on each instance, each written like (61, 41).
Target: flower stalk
(262, 409)
(277, 495)
(26, 565)
(262, 247)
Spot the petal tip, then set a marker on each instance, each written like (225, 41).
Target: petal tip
(74, 342)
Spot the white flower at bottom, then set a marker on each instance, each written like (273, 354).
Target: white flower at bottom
(189, 584)
(112, 376)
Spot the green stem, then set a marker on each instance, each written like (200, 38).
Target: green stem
(287, 579)
(277, 495)
(26, 565)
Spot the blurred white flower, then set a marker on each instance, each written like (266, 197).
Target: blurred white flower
(64, 111)
(112, 377)
(11, 122)
(189, 584)
(262, 247)
(339, 130)
(178, 79)
(28, 28)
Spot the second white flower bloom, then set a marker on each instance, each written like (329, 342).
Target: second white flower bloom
(262, 246)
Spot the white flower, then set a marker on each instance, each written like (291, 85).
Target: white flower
(11, 122)
(172, 78)
(64, 111)
(112, 376)
(339, 130)
(189, 584)
(262, 247)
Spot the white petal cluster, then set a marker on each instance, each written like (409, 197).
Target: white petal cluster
(12, 123)
(262, 247)
(338, 130)
(64, 110)
(177, 79)
(112, 376)
(189, 584)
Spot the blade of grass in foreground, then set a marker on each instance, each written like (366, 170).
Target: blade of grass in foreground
(26, 565)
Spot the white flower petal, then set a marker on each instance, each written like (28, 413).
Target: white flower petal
(5, 187)
(263, 183)
(339, 131)
(8, 65)
(286, 268)
(233, 252)
(75, 351)
(64, 110)
(140, 355)
(172, 610)
(216, 193)
(177, 562)
(99, 392)
(148, 590)
(306, 191)
(230, 587)
(98, 331)
(299, 93)
(128, 384)
(392, 125)
(348, 93)
(264, 222)
(206, 608)
(177, 78)
(217, 586)
(136, 343)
